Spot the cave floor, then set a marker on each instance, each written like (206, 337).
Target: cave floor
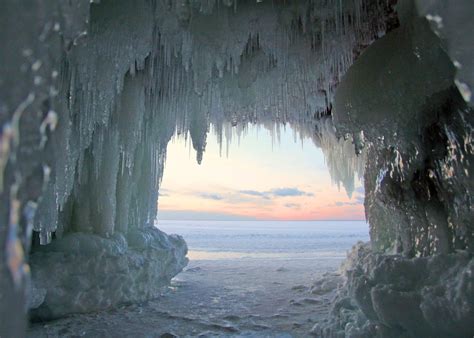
(243, 298)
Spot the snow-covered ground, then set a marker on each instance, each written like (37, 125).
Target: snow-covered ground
(244, 279)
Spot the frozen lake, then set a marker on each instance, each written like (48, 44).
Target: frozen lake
(268, 239)
(244, 279)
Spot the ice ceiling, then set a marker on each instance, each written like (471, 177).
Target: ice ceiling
(92, 91)
(181, 66)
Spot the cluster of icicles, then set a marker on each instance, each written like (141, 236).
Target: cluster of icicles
(149, 69)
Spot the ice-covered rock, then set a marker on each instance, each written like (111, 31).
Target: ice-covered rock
(418, 181)
(415, 278)
(85, 272)
(396, 296)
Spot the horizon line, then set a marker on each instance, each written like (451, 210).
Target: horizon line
(264, 220)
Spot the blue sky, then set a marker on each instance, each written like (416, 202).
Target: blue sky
(262, 178)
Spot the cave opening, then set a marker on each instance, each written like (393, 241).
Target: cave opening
(259, 223)
(260, 173)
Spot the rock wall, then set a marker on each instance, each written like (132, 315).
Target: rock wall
(415, 279)
(419, 138)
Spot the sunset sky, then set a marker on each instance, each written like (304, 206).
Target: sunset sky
(261, 179)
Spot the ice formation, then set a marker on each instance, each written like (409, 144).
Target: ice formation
(416, 277)
(92, 91)
(124, 269)
(398, 296)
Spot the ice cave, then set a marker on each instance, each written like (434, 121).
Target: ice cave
(91, 92)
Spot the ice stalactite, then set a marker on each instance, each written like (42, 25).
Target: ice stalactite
(265, 64)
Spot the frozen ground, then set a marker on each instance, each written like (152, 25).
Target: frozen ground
(249, 280)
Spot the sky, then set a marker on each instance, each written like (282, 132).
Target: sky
(261, 179)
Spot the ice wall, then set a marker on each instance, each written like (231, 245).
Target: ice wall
(29, 74)
(419, 136)
(404, 95)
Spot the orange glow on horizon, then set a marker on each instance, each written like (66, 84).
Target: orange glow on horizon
(286, 182)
